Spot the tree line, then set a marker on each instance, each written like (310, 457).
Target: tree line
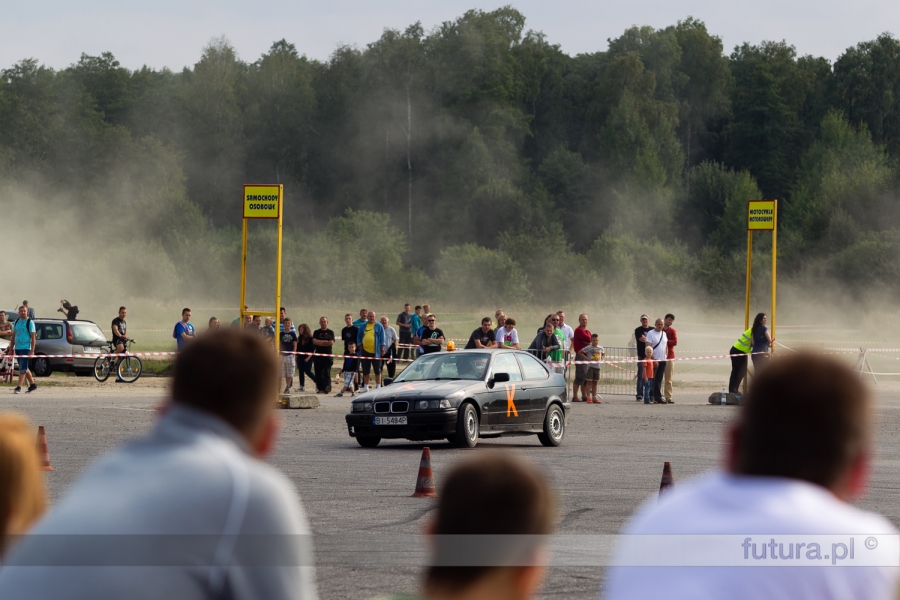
(475, 155)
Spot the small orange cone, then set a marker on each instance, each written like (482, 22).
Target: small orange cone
(668, 480)
(43, 450)
(425, 480)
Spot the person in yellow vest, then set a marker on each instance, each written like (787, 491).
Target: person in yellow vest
(739, 353)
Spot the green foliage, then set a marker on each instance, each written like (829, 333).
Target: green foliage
(473, 275)
(477, 151)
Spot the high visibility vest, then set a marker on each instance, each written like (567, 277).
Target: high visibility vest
(745, 342)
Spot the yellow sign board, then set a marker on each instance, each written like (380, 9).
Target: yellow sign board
(761, 215)
(262, 201)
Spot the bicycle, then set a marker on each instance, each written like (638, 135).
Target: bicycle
(128, 368)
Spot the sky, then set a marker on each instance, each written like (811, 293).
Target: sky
(172, 33)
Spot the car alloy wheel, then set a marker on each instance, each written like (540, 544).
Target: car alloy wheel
(466, 426)
(41, 367)
(554, 427)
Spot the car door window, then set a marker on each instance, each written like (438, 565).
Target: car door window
(505, 362)
(533, 368)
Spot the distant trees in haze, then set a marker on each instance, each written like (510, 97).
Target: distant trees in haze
(483, 149)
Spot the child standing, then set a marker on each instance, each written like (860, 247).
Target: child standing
(348, 371)
(592, 352)
(647, 373)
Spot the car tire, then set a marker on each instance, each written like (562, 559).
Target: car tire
(368, 442)
(40, 366)
(554, 427)
(466, 426)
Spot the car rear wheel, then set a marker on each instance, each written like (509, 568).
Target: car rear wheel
(554, 427)
(466, 426)
(368, 442)
(40, 366)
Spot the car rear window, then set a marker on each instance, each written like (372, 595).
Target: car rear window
(87, 334)
(49, 331)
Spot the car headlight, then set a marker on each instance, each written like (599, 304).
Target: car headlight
(362, 406)
(432, 404)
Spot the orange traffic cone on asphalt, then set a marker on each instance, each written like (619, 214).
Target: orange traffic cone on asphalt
(43, 450)
(668, 481)
(425, 480)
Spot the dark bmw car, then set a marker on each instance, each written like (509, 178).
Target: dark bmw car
(463, 396)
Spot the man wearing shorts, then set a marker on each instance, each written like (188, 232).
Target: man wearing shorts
(370, 347)
(24, 338)
(581, 337)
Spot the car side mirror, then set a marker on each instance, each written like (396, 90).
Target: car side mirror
(499, 378)
(387, 381)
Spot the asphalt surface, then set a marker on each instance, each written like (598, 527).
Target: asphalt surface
(610, 461)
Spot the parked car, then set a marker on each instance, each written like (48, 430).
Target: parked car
(463, 396)
(83, 339)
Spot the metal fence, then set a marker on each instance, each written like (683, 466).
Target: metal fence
(619, 379)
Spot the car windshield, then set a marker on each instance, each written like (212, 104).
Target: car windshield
(446, 365)
(87, 334)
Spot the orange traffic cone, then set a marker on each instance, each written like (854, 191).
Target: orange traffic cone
(43, 450)
(668, 480)
(425, 480)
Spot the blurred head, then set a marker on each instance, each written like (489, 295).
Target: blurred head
(363, 313)
(281, 313)
(348, 319)
(23, 312)
(498, 313)
(583, 320)
(323, 322)
(303, 330)
(659, 324)
(25, 303)
(268, 321)
(431, 321)
(514, 499)
(418, 309)
(248, 318)
(595, 339)
(384, 321)
(645, 320)
(233, 375)
(185, 314)
(426, 308)
(257, 320)
(562, 317)
(2, 316)
(351, 347)
(122, 312)
(670, 318)
(509, 323)
(22, 496)
(370, 316)
(548, 329)
(287, 324)
(648, 351)
(486, 324)
(805, 417)
(406, 307)
(501, 321)
(213, 323)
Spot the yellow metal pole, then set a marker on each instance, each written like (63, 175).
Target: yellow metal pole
(243, 270)
(774, 265)
(747, 299)
(278, 253)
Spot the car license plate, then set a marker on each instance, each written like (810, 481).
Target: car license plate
(92, 350)
(389, 420)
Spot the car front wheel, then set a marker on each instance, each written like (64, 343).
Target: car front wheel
(466, 426)
(368, 442)
(40, 366)
(554, 427)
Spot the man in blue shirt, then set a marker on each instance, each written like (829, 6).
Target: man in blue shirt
(184, 331)
(23, 342)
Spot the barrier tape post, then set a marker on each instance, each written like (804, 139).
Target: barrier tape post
(862, 362)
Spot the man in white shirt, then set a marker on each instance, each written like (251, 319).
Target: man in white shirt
(568, 332)
(656, 338)
(776, 523)
(189, 511)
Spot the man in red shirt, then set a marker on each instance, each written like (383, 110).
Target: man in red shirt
(581, 339)
(672, 337)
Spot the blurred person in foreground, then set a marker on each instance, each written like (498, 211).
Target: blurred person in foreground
(22, 496)
(188, 511)
(6, 331)
(516, 506)
(798, 453)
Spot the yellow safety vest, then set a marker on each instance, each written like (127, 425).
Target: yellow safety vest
(745, 342)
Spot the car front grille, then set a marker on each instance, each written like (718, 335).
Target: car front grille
(382, 407)
(399, 407)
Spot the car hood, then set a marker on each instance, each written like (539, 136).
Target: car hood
(428, 388)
